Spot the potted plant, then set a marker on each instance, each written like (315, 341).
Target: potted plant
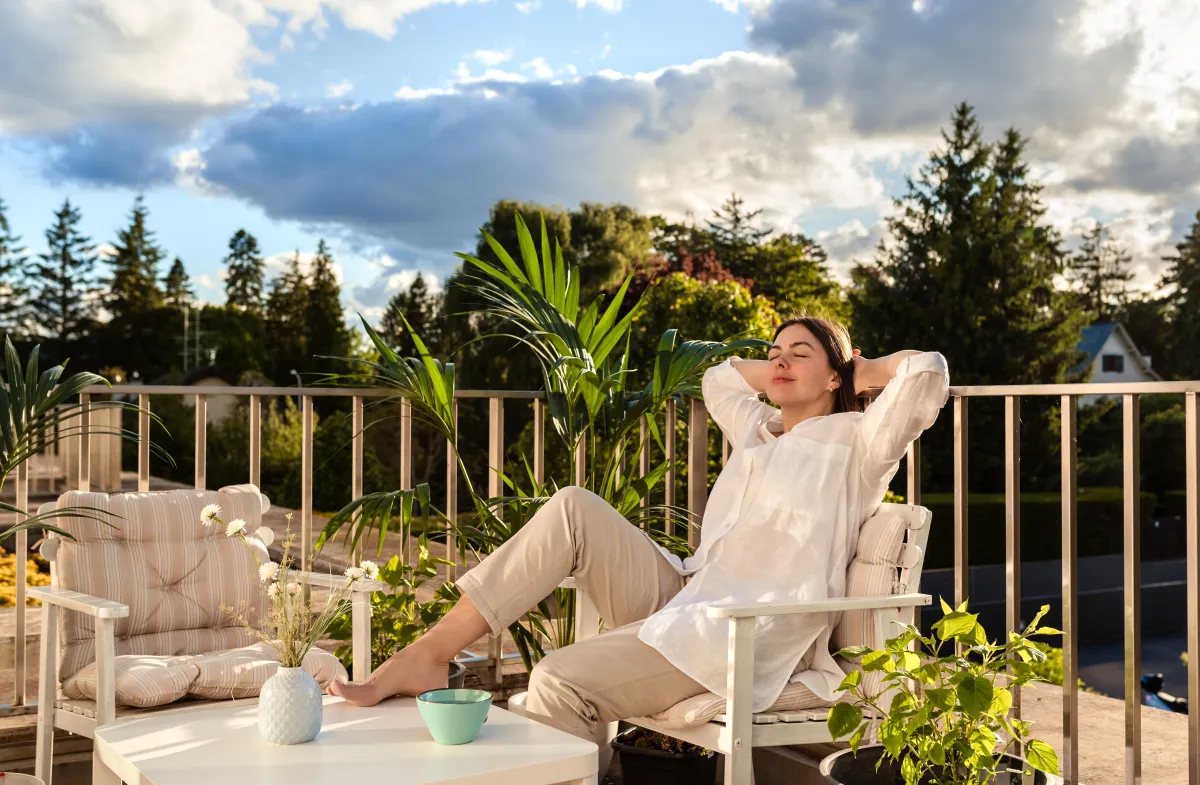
(941, 712)
(649, 758)
(290, 704)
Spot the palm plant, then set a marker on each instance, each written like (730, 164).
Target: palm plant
(594, 407)
(37, 410)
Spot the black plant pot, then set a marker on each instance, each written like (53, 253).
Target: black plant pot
(641, 766)
(458, 675)
(846, 768)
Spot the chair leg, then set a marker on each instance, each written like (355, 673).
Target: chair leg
(102, 774)
(605, 733)
(47, 693)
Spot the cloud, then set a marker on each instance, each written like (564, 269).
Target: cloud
(339, 89)
(529, 6)
(540, 68)
(612, 6)
(423, 173)
(492, 57)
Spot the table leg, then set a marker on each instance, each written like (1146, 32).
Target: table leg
(585, 781)
(102, 774)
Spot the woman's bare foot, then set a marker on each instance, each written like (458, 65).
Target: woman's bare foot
(408, 672)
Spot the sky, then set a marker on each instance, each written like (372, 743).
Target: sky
(390, 126)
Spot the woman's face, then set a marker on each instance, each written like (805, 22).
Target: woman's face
(800, 369)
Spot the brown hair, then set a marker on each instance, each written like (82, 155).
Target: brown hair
(835, 339)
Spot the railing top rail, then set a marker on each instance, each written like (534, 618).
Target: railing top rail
(327, 392)
(965, 391)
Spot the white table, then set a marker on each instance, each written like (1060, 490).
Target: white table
(387, 743)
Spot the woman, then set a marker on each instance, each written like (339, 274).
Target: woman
(780, 526)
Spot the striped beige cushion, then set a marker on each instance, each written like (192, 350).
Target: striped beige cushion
(873, 572)
(142, 681)
(174, 573)
(145, 681)
(241, 673)
(705, 707)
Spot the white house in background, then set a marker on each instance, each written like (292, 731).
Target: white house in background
(1112, 356)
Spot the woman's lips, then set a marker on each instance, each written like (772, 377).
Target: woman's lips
(780, 380)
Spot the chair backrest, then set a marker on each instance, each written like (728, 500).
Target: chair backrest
(177, 576)
(891, 554)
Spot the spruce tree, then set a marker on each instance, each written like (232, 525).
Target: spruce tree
(325, 325)
(13, 289)
(421, 309)
(1182, 281)
(64, 303)
(178, 286)
(133, 287)
(970, 271)
(1100, 271)
(734, 233)
(285, 322)
(244, 280)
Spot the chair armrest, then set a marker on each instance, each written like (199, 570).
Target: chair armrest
(834, 605)
(78, 601)
(363, 585)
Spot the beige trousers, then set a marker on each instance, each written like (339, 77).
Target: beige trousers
(612, 676)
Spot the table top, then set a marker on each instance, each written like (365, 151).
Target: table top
(387, 742)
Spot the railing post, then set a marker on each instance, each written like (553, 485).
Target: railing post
(644, 460)
(913, 465)
(143, 442)
(962, 575)
(21, 556)
(406, 472)
(201, 441)
(539, 441)
(1012, 523)
(1131, 431)
(697, 469)
(255, 415)
(452, 496)
(1070, 584)
(669, 449)
(1192, 442)
(496, 488)
(85, 444)
(306, 481)
(581, 472)
(356, 465)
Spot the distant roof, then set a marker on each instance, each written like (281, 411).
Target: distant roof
(1093, 339)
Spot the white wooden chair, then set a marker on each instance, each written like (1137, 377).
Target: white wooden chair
(882, 588)
(158, 585)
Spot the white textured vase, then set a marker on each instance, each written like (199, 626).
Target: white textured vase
(289, 707)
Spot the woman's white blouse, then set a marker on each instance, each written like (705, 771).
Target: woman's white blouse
(781, 524)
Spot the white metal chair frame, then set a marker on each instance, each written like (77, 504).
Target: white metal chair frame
(74, 716)
(736, 732)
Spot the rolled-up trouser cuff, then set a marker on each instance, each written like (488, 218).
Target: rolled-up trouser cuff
(478, 596)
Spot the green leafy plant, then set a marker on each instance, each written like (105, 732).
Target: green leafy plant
(398, 617)
(37, 411)
(942, 709)
(592, 401)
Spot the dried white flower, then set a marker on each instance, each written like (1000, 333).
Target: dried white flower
(236, 526)
(293, 588)
(355, 573)
(268, 572)
(273, 591)
(209, 514)
(371, 569)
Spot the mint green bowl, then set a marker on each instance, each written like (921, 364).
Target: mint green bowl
(454, 716)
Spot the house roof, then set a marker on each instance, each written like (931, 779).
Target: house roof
(1094, 337)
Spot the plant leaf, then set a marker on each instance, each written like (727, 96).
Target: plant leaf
(1002, 701)
(974, 695)
(1041, 756)
(844, 719)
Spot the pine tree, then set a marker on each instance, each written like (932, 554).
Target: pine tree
(133, 287)
(13, 289)
(244, 282)
(970, 271)
(733, 226)
(64, 304)
(421, 309)
(1182, 281)
(178, 286)
(285, 321)
(1100, 271)
(324, 321)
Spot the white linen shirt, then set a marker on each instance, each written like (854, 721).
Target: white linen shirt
(781, 524)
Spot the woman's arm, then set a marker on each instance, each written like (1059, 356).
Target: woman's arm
(879, 371)
(732, 399)
(757, 373)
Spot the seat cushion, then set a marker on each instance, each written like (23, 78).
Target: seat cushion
(145, 681)
(704, 708)
(175, 574)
